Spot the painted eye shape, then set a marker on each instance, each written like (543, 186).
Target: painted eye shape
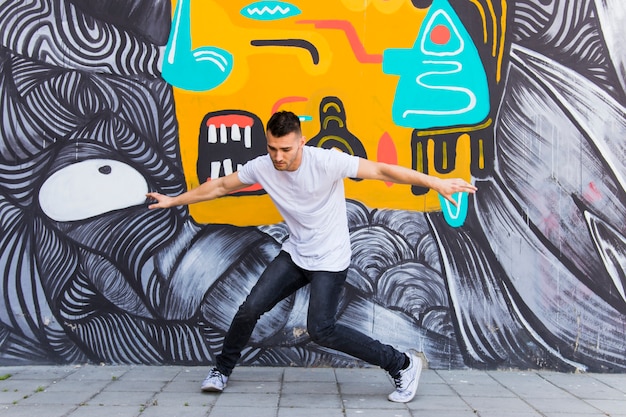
(90, 188)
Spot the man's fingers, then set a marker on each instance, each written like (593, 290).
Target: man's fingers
(458, 185)
(466, 186)
(471, 188)
(154, 196)
(452, 200)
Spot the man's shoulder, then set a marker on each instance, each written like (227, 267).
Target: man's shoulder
(324, 153)
(333, 161)
(258, 160)
(250, 169)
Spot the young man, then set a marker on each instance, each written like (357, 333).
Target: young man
(306, 185)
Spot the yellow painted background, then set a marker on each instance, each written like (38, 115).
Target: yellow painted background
(263, 75)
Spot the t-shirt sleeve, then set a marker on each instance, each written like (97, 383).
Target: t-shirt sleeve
(353, 166)
(346, 164)
(247, 173)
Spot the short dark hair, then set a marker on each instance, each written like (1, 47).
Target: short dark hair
(283, 123)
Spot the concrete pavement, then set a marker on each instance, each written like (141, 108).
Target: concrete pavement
(173, 391)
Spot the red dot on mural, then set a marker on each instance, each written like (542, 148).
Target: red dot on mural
(440, 34)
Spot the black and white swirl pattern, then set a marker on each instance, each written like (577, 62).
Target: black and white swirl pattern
(567, 31)
(58, 33)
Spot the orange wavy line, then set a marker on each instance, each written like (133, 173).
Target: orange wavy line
(291, 99)
(357, 46)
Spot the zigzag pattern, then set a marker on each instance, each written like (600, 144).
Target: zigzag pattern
(276, 9)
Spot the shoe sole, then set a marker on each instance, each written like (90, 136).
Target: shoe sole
(211, 389)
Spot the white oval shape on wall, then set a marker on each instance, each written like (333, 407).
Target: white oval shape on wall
(90, 188)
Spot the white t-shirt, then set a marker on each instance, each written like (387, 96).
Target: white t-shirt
(312, 202)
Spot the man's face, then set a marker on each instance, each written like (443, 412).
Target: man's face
(285, 151)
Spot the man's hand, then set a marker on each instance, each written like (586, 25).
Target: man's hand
(162, 201)
(448, 186)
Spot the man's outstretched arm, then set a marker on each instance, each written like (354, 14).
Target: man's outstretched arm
(401, 175)
(204, 192)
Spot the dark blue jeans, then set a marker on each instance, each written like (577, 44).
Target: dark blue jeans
(281, 279)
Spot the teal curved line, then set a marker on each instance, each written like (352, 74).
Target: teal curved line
(200, 69)
(455, 216)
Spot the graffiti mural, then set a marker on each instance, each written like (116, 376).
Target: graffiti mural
(104, 101)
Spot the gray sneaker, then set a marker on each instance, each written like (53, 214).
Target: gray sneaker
(214, 382)
(406, 381)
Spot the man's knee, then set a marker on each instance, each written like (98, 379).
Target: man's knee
(322, 334)
(248, 312)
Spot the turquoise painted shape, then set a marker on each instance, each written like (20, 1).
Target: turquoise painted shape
(201, 69)
(269, 10)
(442, 79)
(455, 216)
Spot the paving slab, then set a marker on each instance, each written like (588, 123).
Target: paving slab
(158, 391)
